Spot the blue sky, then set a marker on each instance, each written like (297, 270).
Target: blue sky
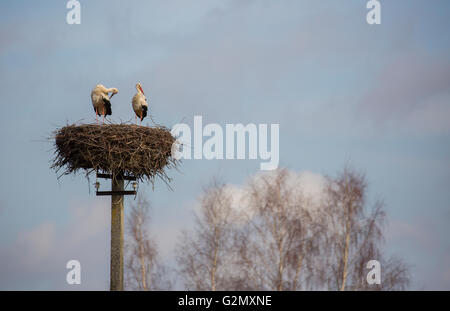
(343, 91)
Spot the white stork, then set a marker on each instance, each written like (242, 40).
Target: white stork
(139, 102)
(101, 101)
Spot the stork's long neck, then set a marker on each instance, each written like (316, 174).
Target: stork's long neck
(139, 89)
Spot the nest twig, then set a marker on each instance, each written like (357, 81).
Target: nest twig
(116, 149)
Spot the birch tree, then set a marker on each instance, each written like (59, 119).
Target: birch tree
(288, 240)
(280, 240)
(142, 266)
(202, 254)
(355, 236)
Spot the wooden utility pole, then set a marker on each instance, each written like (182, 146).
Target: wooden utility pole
(116, 273)
(117, 222)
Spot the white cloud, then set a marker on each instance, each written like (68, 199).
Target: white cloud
(36, 244)
(37, 258)
(307, 185)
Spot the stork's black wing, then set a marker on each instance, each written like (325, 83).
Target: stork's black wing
(144, 112)
(107, 106)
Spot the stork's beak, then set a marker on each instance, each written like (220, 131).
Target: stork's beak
(112, 95)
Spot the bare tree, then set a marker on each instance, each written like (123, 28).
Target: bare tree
(281, 236)
(287, 240)
(143, 270)
(355, 235)
(395, 275)
(201, 254)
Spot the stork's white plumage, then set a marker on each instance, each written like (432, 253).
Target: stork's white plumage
(101, 100)
(139, 102)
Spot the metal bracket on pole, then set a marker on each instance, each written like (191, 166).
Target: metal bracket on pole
(125, 192)
(116, 192)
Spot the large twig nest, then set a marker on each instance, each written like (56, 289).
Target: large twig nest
(117, 149)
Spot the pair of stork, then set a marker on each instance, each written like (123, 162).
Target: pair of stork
(102, 102)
